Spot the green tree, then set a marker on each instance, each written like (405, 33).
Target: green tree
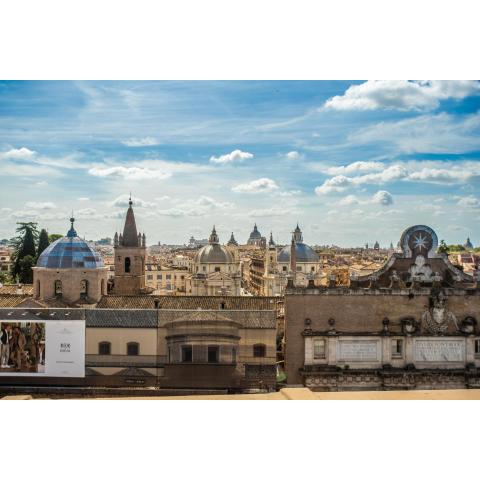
(43, 241)
(26, 273)
(5, 278)
(54, 236)
(443, 248)
(24, 246)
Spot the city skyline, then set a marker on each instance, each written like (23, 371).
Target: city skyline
(352, 162)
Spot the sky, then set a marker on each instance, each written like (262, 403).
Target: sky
(351, 161)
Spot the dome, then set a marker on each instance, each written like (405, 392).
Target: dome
(69, 252)
(255, 233)
(213, 253)
(303, 254)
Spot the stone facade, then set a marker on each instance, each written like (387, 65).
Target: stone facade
(70, 285)
(175, 348)
(419, 331)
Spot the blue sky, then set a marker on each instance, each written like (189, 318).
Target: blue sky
(351, 161)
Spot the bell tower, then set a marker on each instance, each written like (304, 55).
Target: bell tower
(130, 253)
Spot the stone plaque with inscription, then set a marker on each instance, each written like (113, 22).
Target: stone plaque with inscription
(439, 350)
(358, 350)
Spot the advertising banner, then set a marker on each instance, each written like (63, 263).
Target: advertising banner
(52, 348)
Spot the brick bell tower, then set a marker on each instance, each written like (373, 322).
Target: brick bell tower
(130, 253)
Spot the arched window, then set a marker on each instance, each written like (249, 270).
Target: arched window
(127, 264)
(133, 348)
(84, 289)
(259, 350)
(58, 287)
(104, 348)
(102, 287)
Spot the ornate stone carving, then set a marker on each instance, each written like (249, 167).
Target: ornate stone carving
(437, 317)
(420, 271)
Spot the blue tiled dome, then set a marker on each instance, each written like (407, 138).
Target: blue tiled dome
(303, 254)
(69, 252)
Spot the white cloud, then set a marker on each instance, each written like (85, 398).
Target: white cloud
(348, 200)
(355, 167)
(141, 142)
(205, 201)
(18, 154)
(335, 184)
(469, 202)
(262, 185)
(40, 205)
(441, 175)
(42, 183)
(392, 173)
(130, 173)
(271, 212)
(401, 94)
(83, 199)
(293, 155)
(123, 202)
(163, 198)
(456, 172)
(87, 213)
(199, 207)
(287, 193)
(382, 197)
(441, 133)
(235, 156)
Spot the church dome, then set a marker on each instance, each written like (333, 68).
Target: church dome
(303, 253)
(213, 252)
(255, 233)
(70, 252)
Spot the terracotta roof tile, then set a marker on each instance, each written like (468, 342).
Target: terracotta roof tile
(188, 302)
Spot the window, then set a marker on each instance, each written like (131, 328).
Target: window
(159, 277)
(183, 277)
(58, 287)
(318, 349)
(83, 289)
(312, 269)
(187, 354)
(168, 277)
(217, 269)
(397, 348)
(204, 268)
(133, 348)
(213, 354)
(284, 269)
(299, 269)
(104, 348)
(259, 350)
(127, 264)
(477, 347)
(149, 277)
